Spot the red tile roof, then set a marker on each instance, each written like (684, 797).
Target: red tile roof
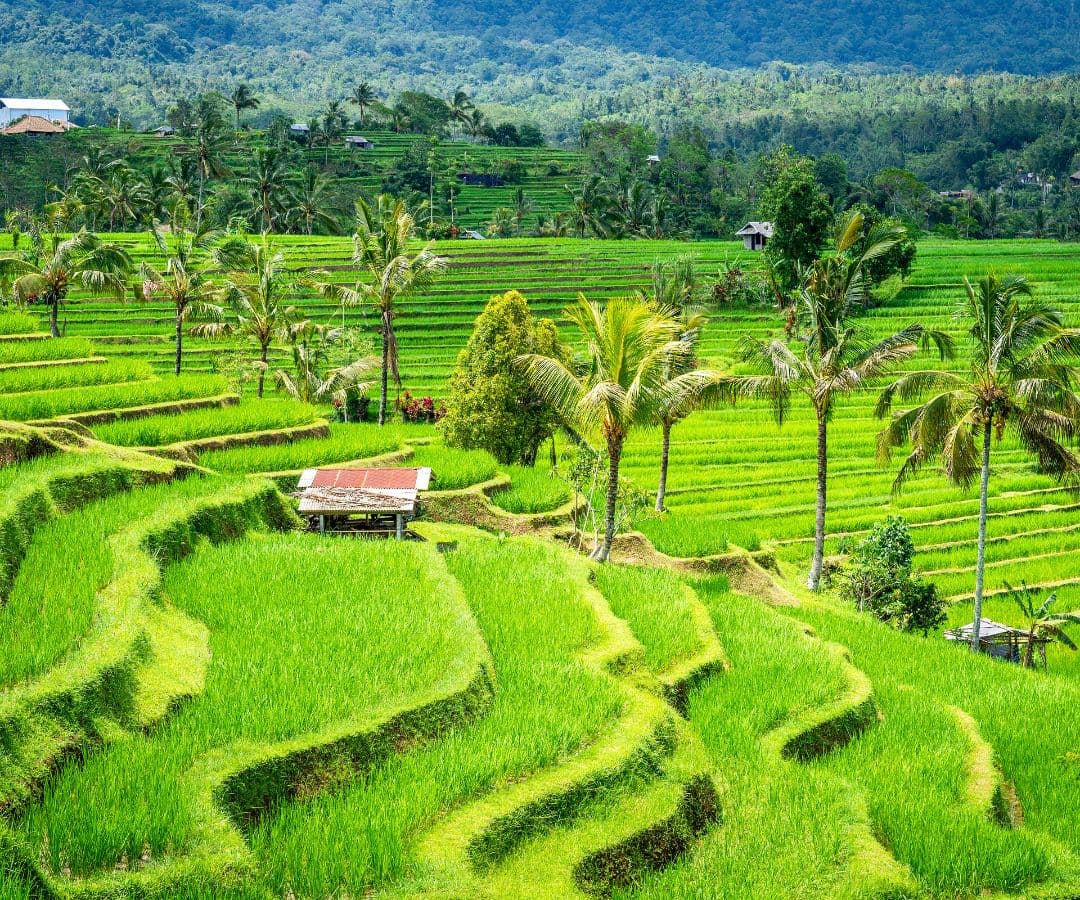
(371, 479)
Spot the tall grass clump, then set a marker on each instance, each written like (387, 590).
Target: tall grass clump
(455, 469)
(44, 378)
(297, 645)
(14, 322)
(37, 351)
(533, 489)
(347, 443)
(257, 415)
(48, 404)
(547, 706)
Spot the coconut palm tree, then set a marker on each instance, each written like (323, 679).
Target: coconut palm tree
(210, 144)
(82, 259)
(314, 378)
(381, 251)
(185, 281)
(1040, 622)
(311, 204)
(363, 96)
(243, 98)
(461, 108)
(1020, 379)
(255, 293)
(821, 374)
(623, 383)
(268, 182)
(591, 207)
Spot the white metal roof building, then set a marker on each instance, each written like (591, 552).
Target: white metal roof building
(12, 108)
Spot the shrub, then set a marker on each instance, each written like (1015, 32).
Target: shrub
(878, 580)
(420, 410)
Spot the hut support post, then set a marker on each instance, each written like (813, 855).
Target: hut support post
(322, 524)
(399, 526)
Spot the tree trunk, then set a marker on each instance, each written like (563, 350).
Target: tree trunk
(262, 370)
(179, 340)
(980, 562)
(1029, 654)
(664, 455)
(614, 454)
(385, 372)
(54, 309)
(198, 209)
(554, 455)
(819, 516)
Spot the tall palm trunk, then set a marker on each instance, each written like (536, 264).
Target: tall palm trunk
(199, 207)
(611, 500)
(179, 339)
(54, 309)
(980, 563)
(385, 369)
(661, 488)
(819, 515)
(262, 369)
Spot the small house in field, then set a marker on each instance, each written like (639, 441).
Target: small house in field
(755, 235)
(1074, 178)
(1000, 641)
(653, 160)
(358, 142)
(362, 502)
(300, 130)
(164, 131)
(14, 108)
(957, 195)
(36, 126)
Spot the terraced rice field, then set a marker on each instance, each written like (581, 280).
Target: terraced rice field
(197, 700)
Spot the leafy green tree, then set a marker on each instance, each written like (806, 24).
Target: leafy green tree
(898, 260)
(46, 274)
(393, 274)
(426, 114)
(492, 404)
(830, 170)
(623, 381)
(800, 212)
(243, 98)
(878, 579)
(1020, 378)
(268, 182)
(1039, 621)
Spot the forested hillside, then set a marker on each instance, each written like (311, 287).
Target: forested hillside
(136, 57)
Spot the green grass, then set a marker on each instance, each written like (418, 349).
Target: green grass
(653, 603)
(286, 661)
(52, 603)
(533, 489)
(547, 706)
(455, 469)
(14, 322)
(251, 415)
(65, 401)
(347, 442)
(35, 351)
(74, 376)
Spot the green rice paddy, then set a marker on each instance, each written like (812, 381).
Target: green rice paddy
(485, 713)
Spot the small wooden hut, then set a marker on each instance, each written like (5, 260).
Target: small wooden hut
(1001, 641)
(364, 502)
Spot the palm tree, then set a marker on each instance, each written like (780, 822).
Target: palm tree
(255, 292)
(210, 145)
(591, 207)
(315, 379)
(312, 204)
(1020, 378)
(363, 96)
(502, 223)
(623, 384)
(476, 123)
(522, 207)
(679, 406)
(83, 258)
(381, 250)
(1040, 622)
(835, 359)
(186, 285)
(243, 98)
(267, 180)
(461, 108)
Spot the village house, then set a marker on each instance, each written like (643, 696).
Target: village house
(755, 235)
(35, 126)
(358, 142)
(1074, 178)
(13, 108)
